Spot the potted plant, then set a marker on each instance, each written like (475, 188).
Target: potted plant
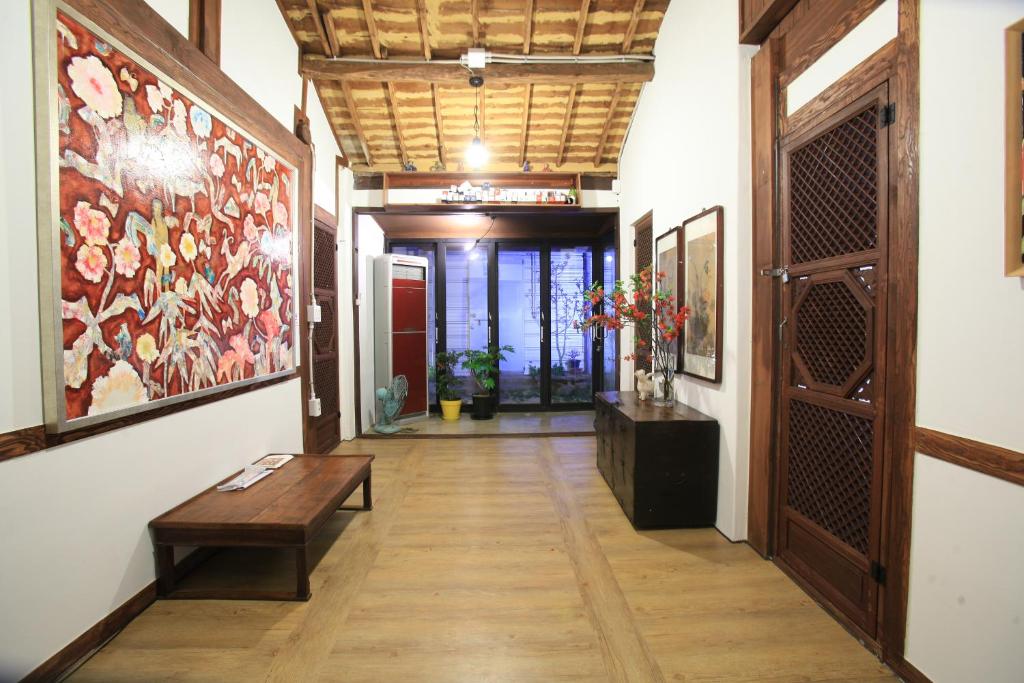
(448, 384)
(483, 365)
(574, 360)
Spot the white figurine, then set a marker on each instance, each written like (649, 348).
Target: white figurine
(644, 384)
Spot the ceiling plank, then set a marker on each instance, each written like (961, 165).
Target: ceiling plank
(613, 105)
(350, 102)
(634, 19)
(581, 27)
(442, 153)
(314, 15)
(399, 134)
(371, 27)
(559, 73)
(570, 102)
(421, 14)
(527, 27)
(526, 123)
(332, 33)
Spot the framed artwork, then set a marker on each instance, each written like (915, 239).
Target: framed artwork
(702, 293)
(168, 233)
(1014, 264)
(667, 249)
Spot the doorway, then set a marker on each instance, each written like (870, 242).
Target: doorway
(834, 200)
(525, 294)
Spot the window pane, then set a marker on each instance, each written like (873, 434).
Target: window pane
(611, 380)
(426, 252)
(466, 304)
(571, 363)
(519, 325)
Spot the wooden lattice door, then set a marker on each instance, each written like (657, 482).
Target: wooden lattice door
(834, 201)
(326, 427)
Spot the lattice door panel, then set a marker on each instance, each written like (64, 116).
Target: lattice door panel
(326, 427)
(834, 217)
(643, 250)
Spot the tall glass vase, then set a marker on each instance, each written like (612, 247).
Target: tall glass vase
(665, 394)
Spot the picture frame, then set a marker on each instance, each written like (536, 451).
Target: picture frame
(702, 277)
(667, 259)
(149, 303)
(1014, 189)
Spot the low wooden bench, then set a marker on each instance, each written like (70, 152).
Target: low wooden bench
(283, 510)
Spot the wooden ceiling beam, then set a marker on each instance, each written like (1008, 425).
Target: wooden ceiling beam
(526, 124)
(527, 27)
(350, 102)
(560, 73)
(581, 26)
(612, 106)
(421, 15)
(399, 134)
(332, 33)
(474, 15)
(634, 19)
(371, 28)
(314, 15)
(442, 153)
(565, 124)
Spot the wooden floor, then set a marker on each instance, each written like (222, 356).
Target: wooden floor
(575, 423)
(496, 560)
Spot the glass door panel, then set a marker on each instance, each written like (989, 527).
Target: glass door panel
(466, 309)
(609, 344)
(519, 325)
(427, 252)
(572, 271)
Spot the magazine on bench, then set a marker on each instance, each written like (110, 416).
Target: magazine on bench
(246, 478)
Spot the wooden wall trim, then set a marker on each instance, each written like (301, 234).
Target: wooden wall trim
(819, 31)
(902, 348)
(22, 442)
(204, 27)
(756, 25)
(906, 671)
(764, 132)
(994, 461)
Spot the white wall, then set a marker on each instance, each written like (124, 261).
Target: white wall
(966, 607)
(371, 244)
(74, 519)
(689, 149)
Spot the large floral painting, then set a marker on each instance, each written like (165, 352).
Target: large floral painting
(175, 235)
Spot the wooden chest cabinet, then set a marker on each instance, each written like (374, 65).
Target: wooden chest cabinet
(661, 463)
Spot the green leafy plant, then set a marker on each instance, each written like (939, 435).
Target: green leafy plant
(448, 383)
(483, 365)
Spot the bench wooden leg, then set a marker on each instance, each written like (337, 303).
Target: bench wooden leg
(367, 494)
(301, 574)
(165, 569)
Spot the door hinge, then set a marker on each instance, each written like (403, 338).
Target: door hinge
(887, 116)
(877, 572)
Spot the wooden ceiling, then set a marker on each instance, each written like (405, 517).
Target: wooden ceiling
(410, 104)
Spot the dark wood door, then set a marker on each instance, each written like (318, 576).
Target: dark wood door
(834, 201)
(643, 257)
(327, 427)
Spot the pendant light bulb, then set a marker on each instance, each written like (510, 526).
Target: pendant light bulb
(476, 153)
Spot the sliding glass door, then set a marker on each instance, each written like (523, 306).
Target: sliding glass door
(527, 296)
(520, 325)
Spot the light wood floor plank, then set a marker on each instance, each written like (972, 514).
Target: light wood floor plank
(494, 560)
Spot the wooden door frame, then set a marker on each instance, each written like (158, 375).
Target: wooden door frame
(899, 61)
(320, 215)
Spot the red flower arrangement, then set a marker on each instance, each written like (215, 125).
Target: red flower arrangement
(647, 308)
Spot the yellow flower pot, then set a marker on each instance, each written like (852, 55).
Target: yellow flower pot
(450, 409)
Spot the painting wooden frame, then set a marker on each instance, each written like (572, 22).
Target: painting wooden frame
(1014, 250)
(701, 356)
(671, 244)
(153, 54)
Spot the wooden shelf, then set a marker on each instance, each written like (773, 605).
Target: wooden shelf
(519, 181)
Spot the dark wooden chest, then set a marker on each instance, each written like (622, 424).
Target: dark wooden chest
(661, 463)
